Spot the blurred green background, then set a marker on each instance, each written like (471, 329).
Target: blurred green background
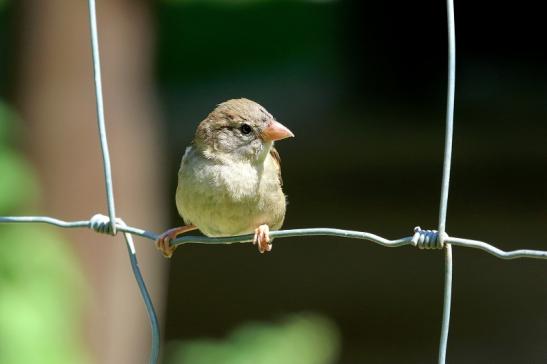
(41, 289)
(362, 84)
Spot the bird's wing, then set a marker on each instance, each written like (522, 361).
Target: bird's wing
(277, 160)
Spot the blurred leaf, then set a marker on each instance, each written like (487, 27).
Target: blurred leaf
(298, 339)
(17, 183)
(41, 287)
(41, 295)
(6, 117)
(9, 124)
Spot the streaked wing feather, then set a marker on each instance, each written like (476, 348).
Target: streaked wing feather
(277, 160)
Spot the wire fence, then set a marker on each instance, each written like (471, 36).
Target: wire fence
(422, 239)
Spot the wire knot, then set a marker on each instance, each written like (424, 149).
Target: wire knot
(101, 224)
(427, 239)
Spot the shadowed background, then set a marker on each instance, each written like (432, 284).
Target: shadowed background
(363, 87)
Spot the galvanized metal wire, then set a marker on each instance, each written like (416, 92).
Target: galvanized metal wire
(154, 324)
(447, 299)
(422, 239)
(100, 113)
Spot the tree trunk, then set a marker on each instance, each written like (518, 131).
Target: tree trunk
(56, 97)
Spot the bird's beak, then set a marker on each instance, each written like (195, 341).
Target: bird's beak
(276, 131)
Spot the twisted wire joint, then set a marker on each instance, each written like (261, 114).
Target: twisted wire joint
(428, 239)
(101, 224)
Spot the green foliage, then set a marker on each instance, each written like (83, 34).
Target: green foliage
(201, 41)
(6, 121)
(237, 2)
(298, 339)
(40, 284)
(17, 185)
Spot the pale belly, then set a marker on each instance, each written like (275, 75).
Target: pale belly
(229, 200)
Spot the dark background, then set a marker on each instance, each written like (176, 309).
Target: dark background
(363, 87)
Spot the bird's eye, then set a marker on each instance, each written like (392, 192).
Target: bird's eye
(245, 128)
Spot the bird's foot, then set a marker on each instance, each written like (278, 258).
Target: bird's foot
(262, 238)
(163, 242)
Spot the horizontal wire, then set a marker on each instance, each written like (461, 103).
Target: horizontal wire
(74, 224)
(513, 254)
(294, 233)
(350, 234)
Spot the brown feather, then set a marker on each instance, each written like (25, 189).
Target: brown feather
(277, 158)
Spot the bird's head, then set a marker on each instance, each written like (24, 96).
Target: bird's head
(239, 129)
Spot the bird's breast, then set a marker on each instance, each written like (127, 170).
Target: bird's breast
(228, 198)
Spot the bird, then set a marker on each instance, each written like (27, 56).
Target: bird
(229, 181)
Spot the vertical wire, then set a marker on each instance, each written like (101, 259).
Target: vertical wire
(154, 325)
(446, 178)
(449, 116)
(154, 353)
(100, 115)
(447, 303)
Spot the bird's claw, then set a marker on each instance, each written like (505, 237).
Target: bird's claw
(163, 243)
(262, 238)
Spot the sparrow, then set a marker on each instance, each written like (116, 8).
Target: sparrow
(229, 181)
